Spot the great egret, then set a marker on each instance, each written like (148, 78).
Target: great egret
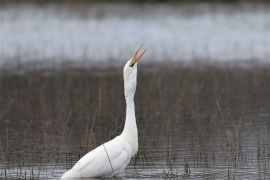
(113, 156)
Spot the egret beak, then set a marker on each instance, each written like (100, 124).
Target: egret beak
(134, 58)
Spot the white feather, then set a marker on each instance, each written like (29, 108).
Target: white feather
(97, 163)
(113, 156)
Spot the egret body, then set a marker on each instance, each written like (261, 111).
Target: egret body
(113, 156)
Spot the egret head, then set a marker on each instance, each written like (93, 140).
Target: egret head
(130, 73)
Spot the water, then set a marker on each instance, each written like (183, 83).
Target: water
(194, 123)
(108, 33)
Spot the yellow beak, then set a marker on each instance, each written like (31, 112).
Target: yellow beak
(135, 58)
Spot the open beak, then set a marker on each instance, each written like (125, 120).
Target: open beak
(135, 58)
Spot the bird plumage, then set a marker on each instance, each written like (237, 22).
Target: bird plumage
(98, 162)
(113, 156)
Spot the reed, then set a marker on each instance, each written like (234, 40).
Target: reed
(190, 120)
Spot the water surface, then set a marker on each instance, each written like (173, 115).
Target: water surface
(194, 123)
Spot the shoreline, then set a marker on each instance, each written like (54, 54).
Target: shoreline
(96, 68)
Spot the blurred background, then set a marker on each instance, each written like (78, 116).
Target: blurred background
(203, 86)
(43, 33)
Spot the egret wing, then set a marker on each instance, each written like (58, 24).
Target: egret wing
(98, 162)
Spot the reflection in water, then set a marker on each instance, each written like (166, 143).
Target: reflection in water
(204, 123)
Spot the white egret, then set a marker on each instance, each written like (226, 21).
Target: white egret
(113, 156)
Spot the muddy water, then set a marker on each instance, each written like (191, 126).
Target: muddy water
(194, 123)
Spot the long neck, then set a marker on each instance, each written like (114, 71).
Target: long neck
(130, 131)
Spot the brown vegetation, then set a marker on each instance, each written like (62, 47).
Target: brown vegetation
(187, 117)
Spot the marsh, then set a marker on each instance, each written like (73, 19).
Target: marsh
(202, 99)
(207, 122)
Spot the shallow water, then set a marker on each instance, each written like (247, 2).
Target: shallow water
(194, 123)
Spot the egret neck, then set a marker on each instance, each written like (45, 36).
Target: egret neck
(130, 131)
